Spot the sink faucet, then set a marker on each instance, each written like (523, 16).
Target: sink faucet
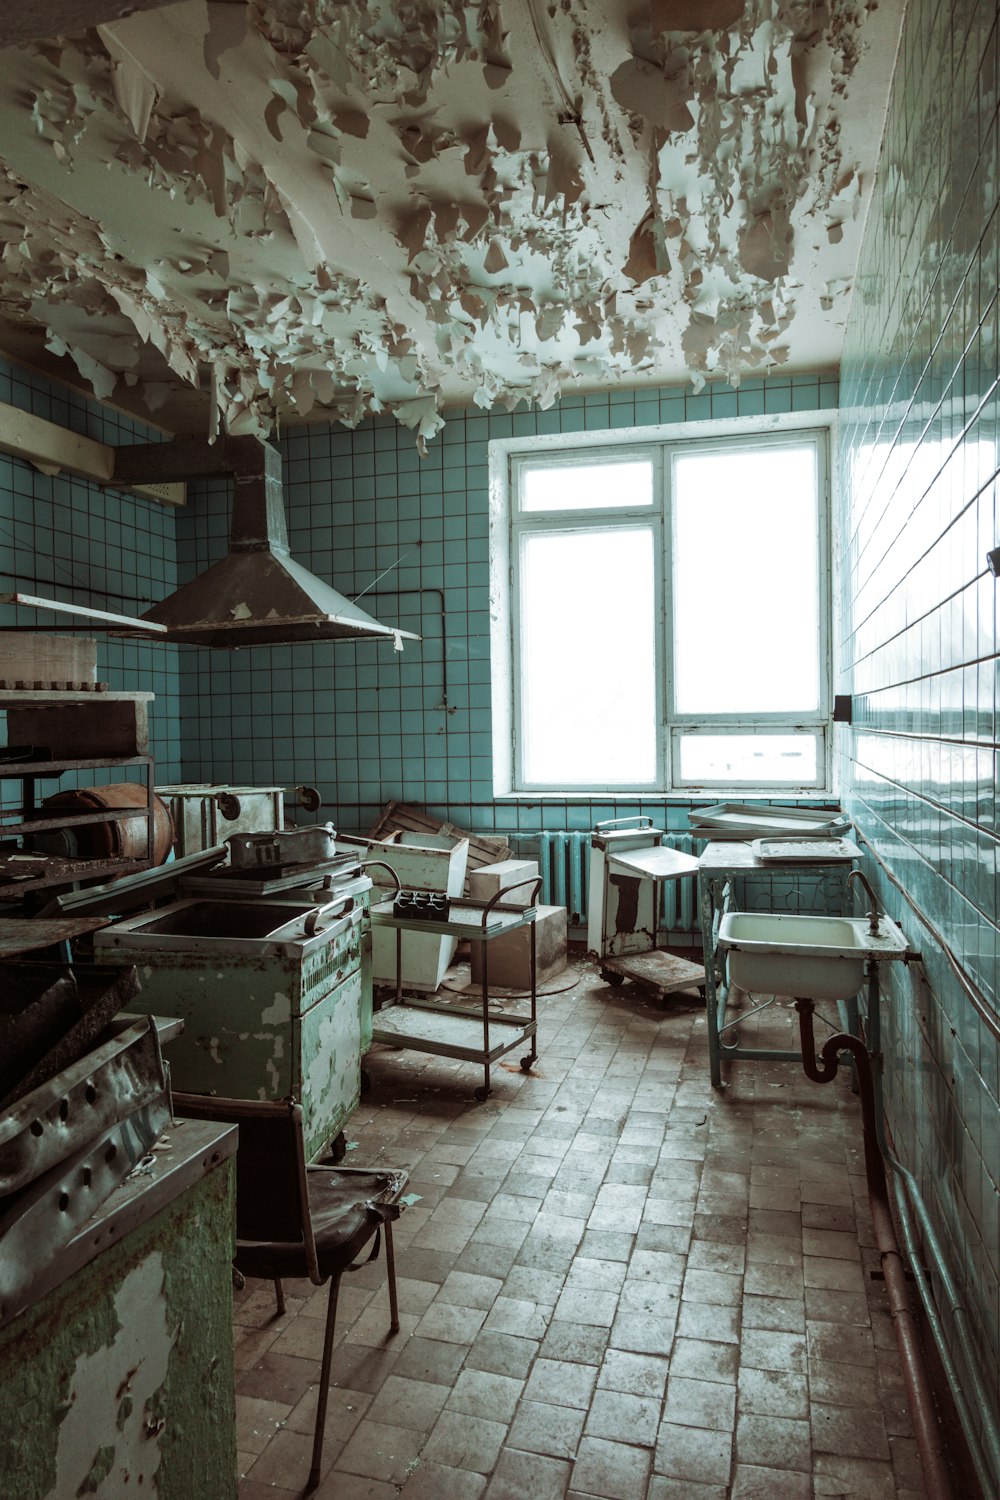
(873, 914)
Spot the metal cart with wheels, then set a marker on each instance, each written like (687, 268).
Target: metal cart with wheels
(481, 1035)
(628, 862)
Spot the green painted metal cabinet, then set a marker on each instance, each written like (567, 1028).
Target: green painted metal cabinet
(275, 998)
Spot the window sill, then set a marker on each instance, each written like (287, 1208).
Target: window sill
(695, 795)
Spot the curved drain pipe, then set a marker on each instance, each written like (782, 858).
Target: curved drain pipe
(918, 1390)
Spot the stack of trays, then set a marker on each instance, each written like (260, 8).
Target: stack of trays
(736, 820)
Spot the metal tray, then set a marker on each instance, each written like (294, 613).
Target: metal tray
(793, 850)
(283, 847)
(741, 820)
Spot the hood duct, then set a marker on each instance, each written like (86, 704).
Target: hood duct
(257, 595)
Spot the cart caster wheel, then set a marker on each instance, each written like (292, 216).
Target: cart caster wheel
(527, 1063)
(366, 1082)
(613, 979)
(337, 1149)
(482, 1093)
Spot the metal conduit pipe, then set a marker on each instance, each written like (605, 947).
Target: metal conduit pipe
(984, 1450)
(956, 1308)
(918, 1390)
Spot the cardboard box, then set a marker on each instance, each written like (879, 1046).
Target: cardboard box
(510, 955)
(484, 883)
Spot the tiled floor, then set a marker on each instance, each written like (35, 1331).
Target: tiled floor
(616, 1283)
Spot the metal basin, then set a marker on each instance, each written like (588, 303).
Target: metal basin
(810, 957)
(210, 926)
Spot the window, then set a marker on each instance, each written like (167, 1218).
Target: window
(668, 616)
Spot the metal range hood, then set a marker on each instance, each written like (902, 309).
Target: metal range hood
(257, 595)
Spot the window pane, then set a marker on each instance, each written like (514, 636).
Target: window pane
(592, 486)
(746, 581)
(587, 654)
(728, 759)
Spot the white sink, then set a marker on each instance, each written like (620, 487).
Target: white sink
(814, 958)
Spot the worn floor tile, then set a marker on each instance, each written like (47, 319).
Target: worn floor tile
(540, 1427)
(849, 1431)
(693, 1453)
(502, 1354)
(700, 1403)
(636, 1374)
(698, 1359)
(624, 1418)
(611, 1470)
(408, 1403)
(561, 1383)
(340, 1486)
(479, 1393)
(528, 1476)
(380, 1450)
(437, 1482)
(662, 1488)
(756, 1483)
(257, 1420)
(778, 1442)
(463, 1442)
(450, 1324)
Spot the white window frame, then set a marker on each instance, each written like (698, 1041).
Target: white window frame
(508, 456)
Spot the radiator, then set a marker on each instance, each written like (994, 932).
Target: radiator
(564, 865)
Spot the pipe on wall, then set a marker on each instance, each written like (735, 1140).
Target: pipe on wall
(983, 1442)
(918, 1389)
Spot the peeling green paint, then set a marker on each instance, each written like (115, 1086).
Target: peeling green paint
(269, 1026)
(99, 1471)
(193, 1454)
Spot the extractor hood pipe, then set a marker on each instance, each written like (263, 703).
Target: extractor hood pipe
(257, 594)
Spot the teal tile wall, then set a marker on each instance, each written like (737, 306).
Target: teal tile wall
(920, 411)
(410, 535)
(66, 538)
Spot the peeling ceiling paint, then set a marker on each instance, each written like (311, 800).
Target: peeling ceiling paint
(394, 205)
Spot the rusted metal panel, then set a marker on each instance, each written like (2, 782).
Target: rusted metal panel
(28, 934)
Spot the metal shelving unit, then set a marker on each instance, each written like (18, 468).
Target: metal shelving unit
(110, 729)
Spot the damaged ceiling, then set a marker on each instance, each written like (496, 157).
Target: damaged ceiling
(242, 212)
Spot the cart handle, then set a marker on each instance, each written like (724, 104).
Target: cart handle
(642, 820)
(343, 906)
(535, 881)
(369, 864)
